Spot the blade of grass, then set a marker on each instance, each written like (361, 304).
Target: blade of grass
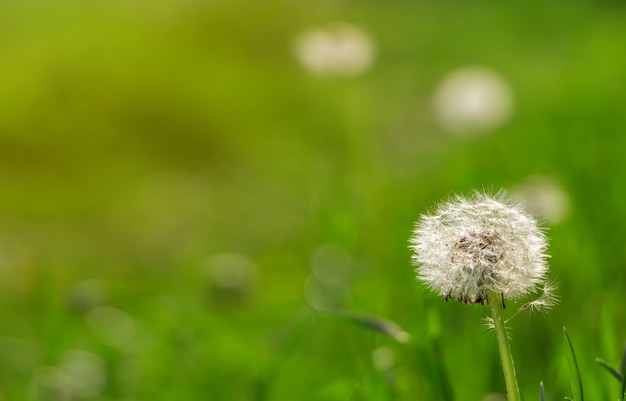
(542, 391)
(574, 372)
(623, 394)
(371, 322)
(441, 373)
(610, 369)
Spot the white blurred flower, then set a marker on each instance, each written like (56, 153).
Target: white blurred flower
(543, 197)
(472, 100)
(50, 384)
(473, 247)
(337, 50)
(83, 372)
(79, 375)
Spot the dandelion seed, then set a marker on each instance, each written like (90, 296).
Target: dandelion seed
(546, 300)
(473, 247)
(489, 323)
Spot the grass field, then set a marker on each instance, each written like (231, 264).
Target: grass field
(188, 213)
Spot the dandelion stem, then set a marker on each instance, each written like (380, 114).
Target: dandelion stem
(495, 303)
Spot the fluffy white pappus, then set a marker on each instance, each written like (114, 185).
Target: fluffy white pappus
(477, 246)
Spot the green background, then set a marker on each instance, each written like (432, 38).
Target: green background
(139, 139)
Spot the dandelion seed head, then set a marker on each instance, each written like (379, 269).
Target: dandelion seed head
(472, 247)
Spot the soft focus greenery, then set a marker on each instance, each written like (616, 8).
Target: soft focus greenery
(140, 139)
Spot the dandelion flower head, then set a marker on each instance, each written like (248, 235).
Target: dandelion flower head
(472, 247)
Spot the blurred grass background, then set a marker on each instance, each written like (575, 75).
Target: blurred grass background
(171, 176)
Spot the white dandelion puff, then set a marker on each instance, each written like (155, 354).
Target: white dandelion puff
(336, 50)
(473, 247)
(473, 100)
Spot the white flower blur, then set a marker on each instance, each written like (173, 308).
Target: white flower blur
(472, 100)
(473, 247)
(544, 197)
(338, 50)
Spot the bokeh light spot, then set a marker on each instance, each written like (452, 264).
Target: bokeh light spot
(336, 50)
(472, 100)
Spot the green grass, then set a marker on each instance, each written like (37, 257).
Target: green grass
(139, 140)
